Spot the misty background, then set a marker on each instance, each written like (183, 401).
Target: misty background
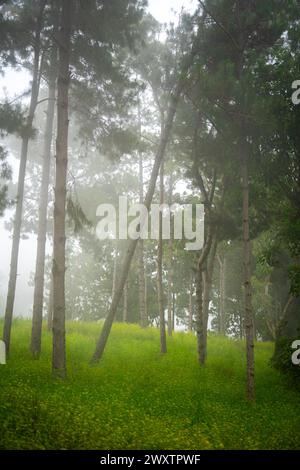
(12, 85)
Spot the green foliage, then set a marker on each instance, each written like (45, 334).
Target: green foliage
(294, 276)
(11, 121)
(76, 215)
(138, 399)
(282, 359)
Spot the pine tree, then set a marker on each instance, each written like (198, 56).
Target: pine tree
(38, 10)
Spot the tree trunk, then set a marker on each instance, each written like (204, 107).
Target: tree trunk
(170, 291)
(170, 267)
(146, 285)
(38, 302)
(191, 306)
(207, 281)
(173, 311)
(50, 306)
(114, 278)
(142, 289)
(206, 297)
(200, 326)
(201, 322)
(164, 138)
(21, 181)
(170, 301)
(249, 327)
(160, 292)
(241, 325)
(59, 340)
(125, 299)
(222, 294)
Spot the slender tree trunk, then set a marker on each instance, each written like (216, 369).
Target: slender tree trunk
(207, 281)
(170, 267)
(38, 302)
(114, 279)
(50, 306)
(241, 326)
(205, 293)
(146, 285)
(21, 181)
(222, 293)
(206, 297)
(142, 292)
(191, 306)
(173, 311)
(201, 321)
(223, 298)
(165, 135)
(125, 305)
(170, 299)
(249, 326)
(200, 324)
(59, 340)
(160, 292)
(142, 287)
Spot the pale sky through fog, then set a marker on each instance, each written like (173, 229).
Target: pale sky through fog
(13, 84)
(161, 9)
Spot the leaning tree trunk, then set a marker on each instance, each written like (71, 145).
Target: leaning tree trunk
(164, 138)
(59, 340)
(10, 300)
(160, 292)
(38, 302)
(249, 326)
(141, 266)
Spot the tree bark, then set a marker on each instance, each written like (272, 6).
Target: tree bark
(170, 293)
(170, 267)
(191, 306)
(10, 300)
(164, 138)
(160, 292)
(50, 306)
(207, 281)
(38, 302)
(200, 324)
(114, 278)
(173, 311)
(59, 340)
(125, 305)
(222, 294)
(142, 288)
(146, 285)
(249, 326)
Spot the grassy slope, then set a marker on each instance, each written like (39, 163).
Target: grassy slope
(137, 399)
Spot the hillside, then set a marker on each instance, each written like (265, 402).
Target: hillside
(138, 399)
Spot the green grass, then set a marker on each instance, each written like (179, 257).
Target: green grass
(138, 399)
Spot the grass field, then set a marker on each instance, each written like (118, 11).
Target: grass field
(137, 399)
